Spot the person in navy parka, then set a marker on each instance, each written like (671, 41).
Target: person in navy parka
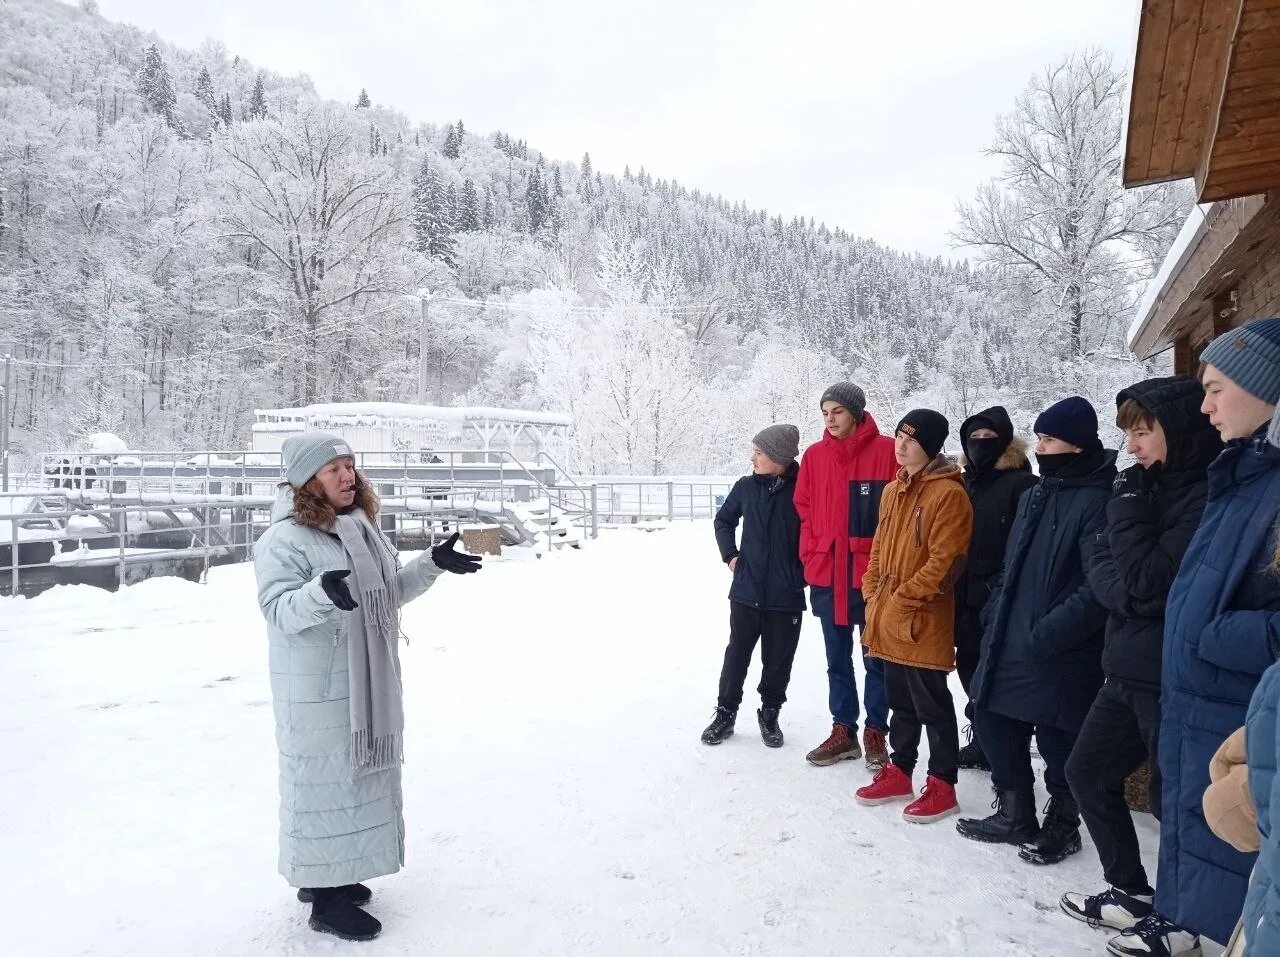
(1040, 666)
(766, 600)
(1222, 615)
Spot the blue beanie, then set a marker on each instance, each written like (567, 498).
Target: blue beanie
(306, 454)
(1072, 420)
(1249, 356)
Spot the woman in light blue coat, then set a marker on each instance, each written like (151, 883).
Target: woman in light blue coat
(330, 587)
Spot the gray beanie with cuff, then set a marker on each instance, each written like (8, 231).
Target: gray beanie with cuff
(780, 442)
(1249, 356)
(848, 395)
(306, 454)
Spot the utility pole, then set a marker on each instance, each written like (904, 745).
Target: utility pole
(424, 296)
(4, 422)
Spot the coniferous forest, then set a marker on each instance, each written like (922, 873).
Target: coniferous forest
(186, 236)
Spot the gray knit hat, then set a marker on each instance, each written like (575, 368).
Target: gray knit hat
(848, 395)
(308, 453)
(1249, 356)
(780, 442)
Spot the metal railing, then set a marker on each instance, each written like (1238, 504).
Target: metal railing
(110, 519)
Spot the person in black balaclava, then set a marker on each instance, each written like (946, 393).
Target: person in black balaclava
(1041, 661)
(996, 473)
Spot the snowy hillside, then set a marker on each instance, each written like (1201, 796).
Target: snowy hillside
(558, 801)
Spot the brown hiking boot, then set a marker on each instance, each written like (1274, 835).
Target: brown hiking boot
(873, 744)
(840, 746)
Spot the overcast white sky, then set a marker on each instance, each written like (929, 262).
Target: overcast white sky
(868, 114)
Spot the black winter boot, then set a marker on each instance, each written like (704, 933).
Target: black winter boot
(972, 756)
(1013, 823)
(333, 913)
(721, 727)
(769, 730)
(358, 894)
(1060, 836)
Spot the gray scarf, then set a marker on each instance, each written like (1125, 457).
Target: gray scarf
(373, 660)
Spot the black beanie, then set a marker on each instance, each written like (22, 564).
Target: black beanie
(928, 428)
(1073, 421)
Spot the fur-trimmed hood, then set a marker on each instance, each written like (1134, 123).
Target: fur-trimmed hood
(1014, 457)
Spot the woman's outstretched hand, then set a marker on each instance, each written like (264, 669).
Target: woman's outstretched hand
(460, 563)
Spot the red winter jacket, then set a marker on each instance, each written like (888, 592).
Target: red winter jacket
(838, 497)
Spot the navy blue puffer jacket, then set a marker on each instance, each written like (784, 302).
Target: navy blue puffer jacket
(1221, 621)
(1042, 645)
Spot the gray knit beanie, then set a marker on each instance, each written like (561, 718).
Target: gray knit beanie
(848, 395)
(780, 442)
(308, 453)
(1249, 356)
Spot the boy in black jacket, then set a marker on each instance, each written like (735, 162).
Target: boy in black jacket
(766, 600)
(996, 473)
(1153, 513)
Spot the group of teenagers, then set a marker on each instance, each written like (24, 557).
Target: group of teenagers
(1120, 617)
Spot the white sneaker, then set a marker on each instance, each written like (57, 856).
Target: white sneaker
(1154, 936)
(1112, 908)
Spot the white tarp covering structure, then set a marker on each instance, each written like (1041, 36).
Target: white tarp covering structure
(403, 427)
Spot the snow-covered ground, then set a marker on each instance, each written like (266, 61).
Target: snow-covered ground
(558, 800)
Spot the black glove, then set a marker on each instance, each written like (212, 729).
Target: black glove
(1135, 480)
(337, 591)
(460, 563)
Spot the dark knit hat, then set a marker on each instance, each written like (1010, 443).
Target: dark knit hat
(1249, 356)
(306, 454)
(927, 427)
(848, 395)
(1072, 420)
(780, 442)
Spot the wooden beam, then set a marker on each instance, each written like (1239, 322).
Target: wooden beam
(1175, 80)
(1212, 128)
(1207, 65)
(1184, 361)
(1144, 100)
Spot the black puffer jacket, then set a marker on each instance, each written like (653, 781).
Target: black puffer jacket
(1151, 518)
(994, 494)
(1042, 649)
(769, 574)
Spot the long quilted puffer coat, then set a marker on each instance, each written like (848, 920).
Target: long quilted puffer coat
(334, 829)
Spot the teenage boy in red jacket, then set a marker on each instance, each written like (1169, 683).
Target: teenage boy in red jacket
(838, 498)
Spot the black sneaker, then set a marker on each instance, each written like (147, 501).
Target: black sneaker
(1112, 908)
(769, 730)
(333, 913)
(358, 894)
(721, 727)
(1154, 936)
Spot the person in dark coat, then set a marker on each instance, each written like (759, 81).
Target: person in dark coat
(996, 473)
(1041, 654)
(766, 599)
(1153, 513)
(1221, 619)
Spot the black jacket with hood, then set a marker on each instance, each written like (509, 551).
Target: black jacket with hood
(769, 574)
(994, 492)
(1151, 518)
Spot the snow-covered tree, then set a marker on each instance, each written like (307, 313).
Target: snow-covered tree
(1058, 216)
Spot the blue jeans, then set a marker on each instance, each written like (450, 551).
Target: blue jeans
(840, 675)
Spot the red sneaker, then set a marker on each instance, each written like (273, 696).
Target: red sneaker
(936, 801)
(891, 783)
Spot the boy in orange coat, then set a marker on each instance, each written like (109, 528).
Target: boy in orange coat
(916, 557)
